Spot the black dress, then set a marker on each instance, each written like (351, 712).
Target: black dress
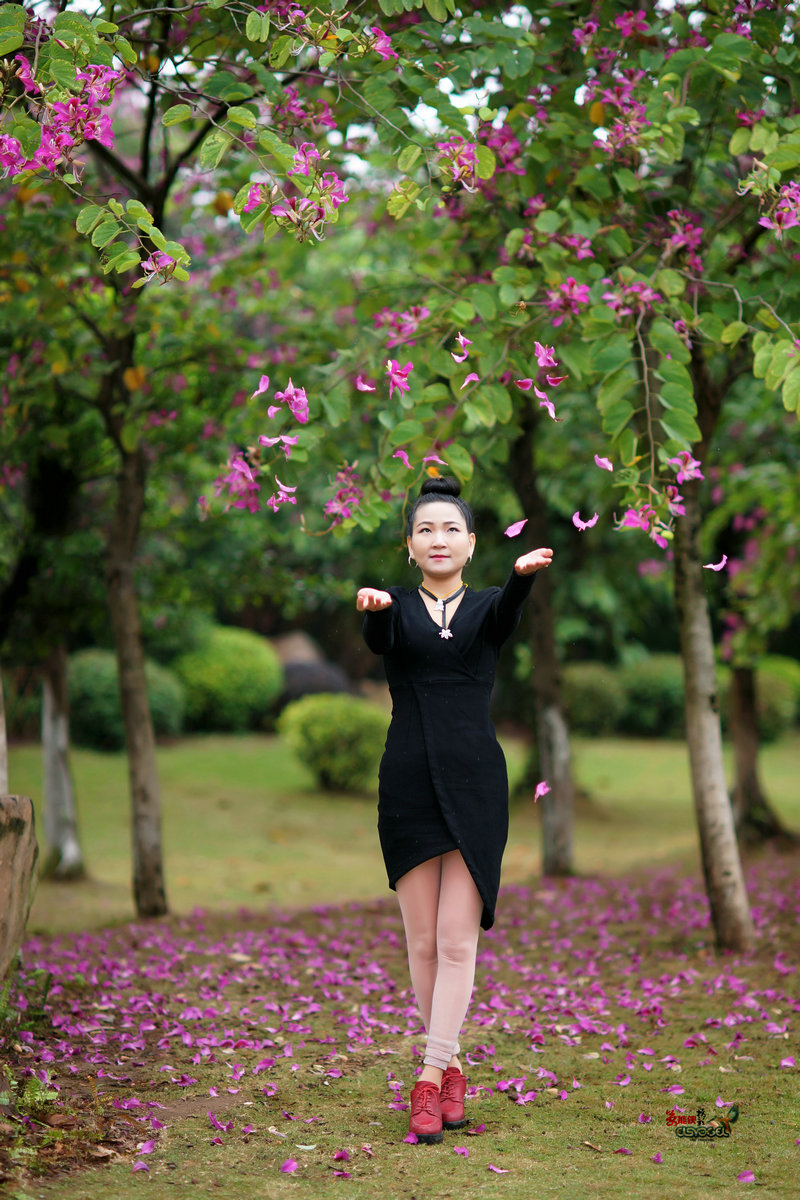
(443, 783)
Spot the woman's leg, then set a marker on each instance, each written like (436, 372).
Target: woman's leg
(458, 922)
(418, 894)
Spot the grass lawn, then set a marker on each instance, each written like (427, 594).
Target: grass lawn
(243, 826)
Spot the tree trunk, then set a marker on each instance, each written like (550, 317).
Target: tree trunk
(64, 859)
(730, 912)
(754, 819)
(552, 732)
(148, 876)
(3, 744)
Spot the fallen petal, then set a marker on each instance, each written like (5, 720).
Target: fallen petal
(516, 528)
(716, 566)
(605, 463)
(746, 1177)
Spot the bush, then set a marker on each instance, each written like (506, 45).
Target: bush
(653, 690)
(593, 698)
(232, 681)
(173, 632)
(95, 715)
(776, 705)
(340, 738)
(780, 667)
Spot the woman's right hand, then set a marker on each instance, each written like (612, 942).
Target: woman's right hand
(372, 600)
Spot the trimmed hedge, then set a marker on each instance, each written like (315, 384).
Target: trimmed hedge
(593, 698)
(95, 715)
(653, 690)
(232, 681)
(339, 737)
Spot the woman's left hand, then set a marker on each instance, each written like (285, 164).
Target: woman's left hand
(535, 561)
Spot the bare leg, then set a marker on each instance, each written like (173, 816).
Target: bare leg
(441, 910)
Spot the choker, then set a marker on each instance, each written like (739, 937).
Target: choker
(441, 606)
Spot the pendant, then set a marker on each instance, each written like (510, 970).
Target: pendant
(438, 606)
(445, 633)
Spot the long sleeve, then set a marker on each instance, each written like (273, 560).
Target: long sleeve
(509, 603)
(378, 629)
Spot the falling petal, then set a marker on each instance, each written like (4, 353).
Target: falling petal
(541, 790)
(716, 566)
(555, 380)
(403, 456)
(516, 528)
(551, 408)
(524, 385)
(471, 378)
(581, 525)
(605, 463)
(364, 385)
(434, 458)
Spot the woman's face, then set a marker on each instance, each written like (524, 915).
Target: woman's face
(439, 540)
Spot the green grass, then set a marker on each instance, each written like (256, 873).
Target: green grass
(243, 826)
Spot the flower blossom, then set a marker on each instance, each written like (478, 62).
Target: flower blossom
(284, 495)
(787, 210)
(301, 214)
(284, 440)
(686, 467)
(632, 22)
(566, 298)
(331, 190)
(464, 352)
(296, 401)
(258, 193)
(398, 376)
(241, 484)
(457, 162)
(159, 264)
(383, 43)
(402, 326)
(348, 495)
(304, 160)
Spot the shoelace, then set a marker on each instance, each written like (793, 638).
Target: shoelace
(424, 1100)
(449, 1083)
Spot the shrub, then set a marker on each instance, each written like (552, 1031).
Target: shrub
(779, 666)
(95, 715)
(173, 632)
(653, 691)
(232, 680)
(340, 738)
(776, 706)
(593, 698)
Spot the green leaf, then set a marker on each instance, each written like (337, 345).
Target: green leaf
(437, 9)
(176, 114)
(252, 28)
(241, 116)
(548, 221)
(213, 149)
(105, 233)
(732, 333)
(136, 209)
(486, 162)
(627, 180)
(791, 390)
(677, 398)
(670, 282)
(608, 355)
(405, 431)
(479, 408)
(28, 133)
(482, 296)
(460, 462)
(280, 50)
(740, 140)
(407, 157)
(614, 388)
(125, 51)
(500, 400)
(337, 405)
(89, 217)
(462, 311)
(126, 261)
(116, 208)
(217, 3)
(617, 417)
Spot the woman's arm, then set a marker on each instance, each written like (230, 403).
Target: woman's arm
(378, 623)
(512, 597)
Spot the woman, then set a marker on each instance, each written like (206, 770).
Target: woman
(443, 788)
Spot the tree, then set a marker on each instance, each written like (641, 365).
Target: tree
(579, 144)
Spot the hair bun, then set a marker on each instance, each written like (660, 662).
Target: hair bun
(440, 485)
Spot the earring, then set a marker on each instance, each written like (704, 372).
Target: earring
(469, 560)
(412, 562)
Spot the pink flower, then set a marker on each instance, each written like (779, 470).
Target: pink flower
(283, 496)
(364, 385)
(581, 525)
(398, 376)
(462, 1150)
(471, 378)
(263, 385)
(383, 43)
(545, 355)
(787, 1062)
(541, 790)
(524, 385)
(284, 440)
(746, 1177)
(497, 1170)
(331, 189)
(289, 1166)
(457, 162)
(257, 195)
(403, 456)
(716, 566)
(304, 160)
(411, 1138)
(516, 528)
(656, 1158)
(686, 467)
(463, 343)
(605, 463)
(623, 1150)
(643, 1119)
(630, 23)
(434, 458)
(296, 400)
(140, 1166)
(341, 1156)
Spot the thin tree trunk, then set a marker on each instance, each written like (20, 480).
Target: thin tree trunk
(148, 876)
(722, 868)
(552, 731)
(754, 819)
(3, 744)
(64, 859)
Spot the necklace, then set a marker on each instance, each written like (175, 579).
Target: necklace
(441, 606)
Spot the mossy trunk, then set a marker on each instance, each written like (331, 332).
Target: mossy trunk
(63, 859)
(148, 876)
(722, 868)
(754, 819)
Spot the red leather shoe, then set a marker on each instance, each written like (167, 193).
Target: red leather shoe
(451, 1099)
(426, 1115)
